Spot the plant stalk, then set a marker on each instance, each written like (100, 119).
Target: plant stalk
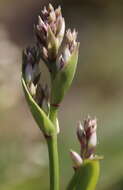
(53, 162)
(53, 155)
(72, 183)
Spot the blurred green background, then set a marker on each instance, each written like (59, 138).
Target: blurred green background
(97, 90)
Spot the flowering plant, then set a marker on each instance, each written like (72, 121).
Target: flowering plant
(44, 103)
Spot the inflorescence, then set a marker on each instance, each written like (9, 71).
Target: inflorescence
(87, 137)
(49, 33)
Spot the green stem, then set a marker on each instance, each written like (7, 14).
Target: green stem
(53, 154)
(53, 162)
(53, 114)
(71, 185)
(86, 177)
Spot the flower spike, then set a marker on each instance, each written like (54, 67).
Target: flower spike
(50, 31)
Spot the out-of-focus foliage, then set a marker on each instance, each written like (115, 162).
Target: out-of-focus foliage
(97, 90)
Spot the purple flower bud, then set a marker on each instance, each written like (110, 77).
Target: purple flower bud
(81, 135)
(50, 31)
(70, 47)
(28, 73)
(30, 64)
(90, 126)
(87, 137)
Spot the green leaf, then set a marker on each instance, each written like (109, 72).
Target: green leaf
(86, 177)
(39, 115)
(63, 79)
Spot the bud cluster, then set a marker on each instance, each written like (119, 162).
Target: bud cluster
(49, 33)
(87, 137)
(71, 45)
(32, 75)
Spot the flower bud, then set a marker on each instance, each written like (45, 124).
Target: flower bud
(71, 46)
(92, 142)
(28, 73)
(66, 69)
(33, 89)
(50, 31)
(80, 131)
(30, 70)
(77, 160)
(81, 137)
(87, 137)
(90, 126)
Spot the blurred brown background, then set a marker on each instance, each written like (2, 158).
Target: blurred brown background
(97, 90)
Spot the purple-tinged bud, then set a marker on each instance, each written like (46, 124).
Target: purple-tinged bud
(71, 39)
(65, 70)
(90, 126)
(28, 73)
(71, 47)
(87, 137)
(81, 135)
(76, 158)
(30, 64)
(31, 74)
(50, 31)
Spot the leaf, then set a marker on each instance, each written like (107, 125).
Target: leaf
(39, 115)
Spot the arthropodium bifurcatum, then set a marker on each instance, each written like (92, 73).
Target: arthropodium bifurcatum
(44, 102)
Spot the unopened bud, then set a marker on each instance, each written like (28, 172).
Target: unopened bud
(50, 31)
(30, 63)
(60, 30)
(65, 72)
(28, 73)
(81, 134)
(32, 89)
(90, 126)
(76, 158)
(66, 54)
(92, 142)
(87, 137)
(71, 47)
(50, 8)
